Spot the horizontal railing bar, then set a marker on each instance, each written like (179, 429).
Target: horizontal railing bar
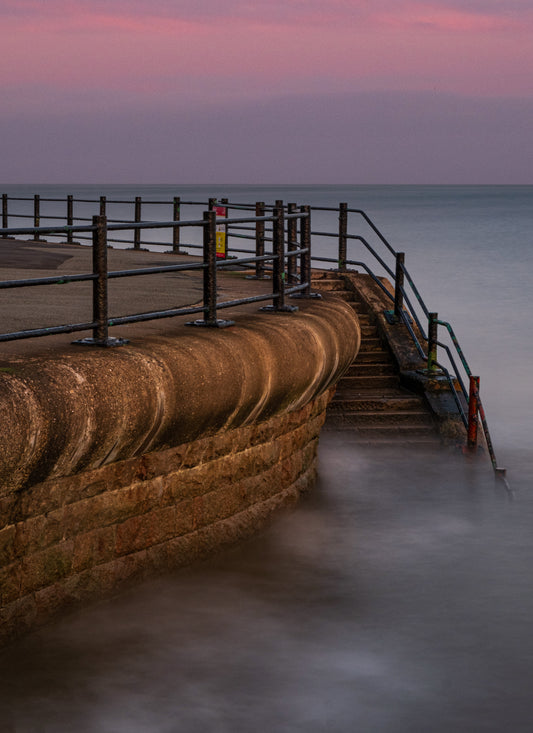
(155, 315)
(56, 280)
(52, 330)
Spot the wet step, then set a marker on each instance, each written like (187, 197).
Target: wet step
(376, 356)
(389, 418)
(371, 369)
(371, 381)
(366, 401)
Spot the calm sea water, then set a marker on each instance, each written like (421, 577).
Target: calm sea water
(397, 598)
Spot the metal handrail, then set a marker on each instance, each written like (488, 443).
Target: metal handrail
(406, 291)
(100, 275)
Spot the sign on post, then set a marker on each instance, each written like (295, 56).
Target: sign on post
(220, 211)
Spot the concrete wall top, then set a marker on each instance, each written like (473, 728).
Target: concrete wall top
(80, 409)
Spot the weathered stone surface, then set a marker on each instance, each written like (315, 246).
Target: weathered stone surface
(122, 463)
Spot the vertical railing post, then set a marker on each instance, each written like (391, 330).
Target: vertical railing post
(137, 232)
(473, 407)
(36, 215)
(398, 288)
(210, 275)
(432, 342)
(103, 205)
(224, 202)
(100, 301)
(70, 217)
(4, 211)
(210, 268)
(343, 231)
(292, 244)
(305, 243)
(176, 230)
(278, 265)
(100, 316)
(260, 240)
(212, 202)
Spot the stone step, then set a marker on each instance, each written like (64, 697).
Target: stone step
(369, 382)
(371, 343)
(389, 418)
(373, 439)
(367, 330)
(358, 369)
(394, 432)
(377, 356)
(352, 401)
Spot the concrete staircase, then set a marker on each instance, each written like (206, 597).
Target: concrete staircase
(369, 400)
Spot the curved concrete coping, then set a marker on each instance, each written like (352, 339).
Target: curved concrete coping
(81, 409)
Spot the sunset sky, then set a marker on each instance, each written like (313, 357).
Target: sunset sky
(289, 91)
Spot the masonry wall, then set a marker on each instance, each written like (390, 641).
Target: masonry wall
(122, 464)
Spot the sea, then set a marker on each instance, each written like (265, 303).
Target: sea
(398, 596)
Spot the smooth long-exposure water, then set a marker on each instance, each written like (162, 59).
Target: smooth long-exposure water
(396, 598)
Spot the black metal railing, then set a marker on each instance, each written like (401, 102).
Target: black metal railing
(409, 309)
(99, 230)
(276, 254)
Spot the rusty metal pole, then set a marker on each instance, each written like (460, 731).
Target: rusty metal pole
(278, 265)
(210, 275)
(36, 215)
(4, 211)
(176, 205)
(432, 342)
(100, 300)
(259, 240)
(292, 244)
(210, 271)
(398, 289)
(473, 408)
(100, 333)
(70, 217)
(343, 231)
(137, 232)
(305, 259)
(224, 202)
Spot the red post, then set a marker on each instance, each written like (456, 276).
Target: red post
(473, 407)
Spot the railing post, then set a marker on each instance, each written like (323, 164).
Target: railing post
(176, 230)
(398, 289)
(210, 275)
(343, 231)
(70, 217)
(212, 202)
(36, 215)
(100, 312)
(224, 203)
(4, 211)
(432, 342)
(292, 244)
(305, 243)
(100, 315)
(103, 205)
(473, 407)
(137, 232)
(278, 264)
(259, 240)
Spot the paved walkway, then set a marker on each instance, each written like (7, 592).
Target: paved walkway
(52, 305)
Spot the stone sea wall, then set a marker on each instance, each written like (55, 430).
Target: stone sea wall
(118, 464)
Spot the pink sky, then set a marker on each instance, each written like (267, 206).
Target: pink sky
(92, 57)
